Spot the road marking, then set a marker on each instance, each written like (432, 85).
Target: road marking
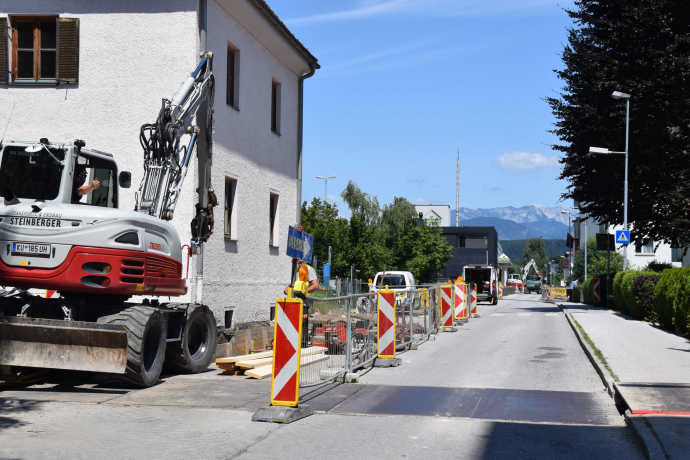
(524, 314)
(497, 314)
(552, 314)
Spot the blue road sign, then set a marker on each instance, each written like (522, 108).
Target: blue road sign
(299, 244)
(623, 236)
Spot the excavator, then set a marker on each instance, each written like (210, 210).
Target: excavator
(533, 284)
(98, 258)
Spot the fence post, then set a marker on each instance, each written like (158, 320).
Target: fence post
(348, 339)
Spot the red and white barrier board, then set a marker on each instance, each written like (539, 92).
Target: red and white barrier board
(447, 305)
(386, 323)
(597, 290)
(500, 290)
(473, 300)
(460, 302)
(286, 352)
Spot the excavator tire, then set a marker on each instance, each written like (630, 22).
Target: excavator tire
(146, 334)
(196, 350)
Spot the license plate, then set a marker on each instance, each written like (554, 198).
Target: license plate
(30, 250)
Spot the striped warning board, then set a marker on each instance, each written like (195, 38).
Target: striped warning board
(447, 305)
(500, 290)
(460, 302)
(596, 282)
(473, 300)
(386, 323)
(286, 352)
(51, 294)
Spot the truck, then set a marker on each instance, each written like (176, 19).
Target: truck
(515, 280)
(486, 279)
(92, 258)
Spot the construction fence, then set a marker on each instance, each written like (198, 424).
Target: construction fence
(340, 333)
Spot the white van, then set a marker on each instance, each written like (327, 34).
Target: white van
(396, 280)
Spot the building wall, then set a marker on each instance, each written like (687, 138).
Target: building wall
(132, 54)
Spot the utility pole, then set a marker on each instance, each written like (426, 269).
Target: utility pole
(457, 192)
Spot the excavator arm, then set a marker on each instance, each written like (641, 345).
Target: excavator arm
(166, 156)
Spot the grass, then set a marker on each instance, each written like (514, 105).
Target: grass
(595, 349)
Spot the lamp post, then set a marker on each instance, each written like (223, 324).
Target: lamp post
(325, 195)
(570, 258)
(604, 151)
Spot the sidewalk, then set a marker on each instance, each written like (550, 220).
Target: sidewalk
(651, 373)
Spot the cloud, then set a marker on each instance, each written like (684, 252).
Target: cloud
(525, 161)
(419, 180)
(494, 189)
(373, 9)
(334, 199)
(420, 201)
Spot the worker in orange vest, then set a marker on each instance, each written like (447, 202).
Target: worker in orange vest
(306, 283)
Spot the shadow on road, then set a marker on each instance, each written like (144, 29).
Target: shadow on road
(9, 406)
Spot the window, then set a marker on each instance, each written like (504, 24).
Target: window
(44, 50)
(32, 175)
(275, 107)
(230, 208)
(676, 254)
(644, 246)
(96, 169)
(273, 220)
(233, 76)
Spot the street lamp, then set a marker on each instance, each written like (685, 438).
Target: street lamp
(563, 211)
(603, 151)
(325, 195)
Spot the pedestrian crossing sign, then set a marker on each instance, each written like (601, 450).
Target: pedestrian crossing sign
(622, 236)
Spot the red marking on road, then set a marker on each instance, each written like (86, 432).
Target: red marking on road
(658, 412)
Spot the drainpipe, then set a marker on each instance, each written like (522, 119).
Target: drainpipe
(300, 133)
(202, 152)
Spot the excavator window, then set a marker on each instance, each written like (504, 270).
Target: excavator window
(106, 172)
(31, 175)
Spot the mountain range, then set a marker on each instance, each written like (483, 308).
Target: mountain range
(518, 223)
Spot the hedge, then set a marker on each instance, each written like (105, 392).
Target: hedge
(632, 303)
(672, 299)
(576, 293)
(588, 291)
(643, 288)
(617, 293)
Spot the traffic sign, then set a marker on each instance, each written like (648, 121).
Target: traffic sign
(623, 236)
(299, 244)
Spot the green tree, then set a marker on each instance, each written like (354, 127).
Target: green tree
(596, 261)
(535, 249)
(321, 220)
(639, 47)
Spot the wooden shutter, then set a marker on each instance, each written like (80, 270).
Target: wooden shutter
(68, 50)
(3, 50)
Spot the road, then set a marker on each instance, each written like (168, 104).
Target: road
(513, 383)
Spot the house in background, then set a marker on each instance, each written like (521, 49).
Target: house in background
(640, 251)
(435, 214)
(98, 70)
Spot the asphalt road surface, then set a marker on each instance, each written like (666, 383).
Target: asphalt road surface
(513, 383)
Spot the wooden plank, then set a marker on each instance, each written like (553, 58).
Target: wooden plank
(254, 363)
(232, 359)
(260, 372)
(266, 371)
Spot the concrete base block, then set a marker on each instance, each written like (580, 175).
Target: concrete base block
(387, 362)
(281, 414)
(348, 378)
(413, 346)
(449, 329)
(326, 374)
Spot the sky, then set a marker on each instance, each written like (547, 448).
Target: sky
(404, 84)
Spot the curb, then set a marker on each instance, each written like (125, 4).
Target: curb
(598, 366)
(646, 436)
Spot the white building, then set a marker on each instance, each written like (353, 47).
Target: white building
(640, 251)
(97, 71)
(435, 213)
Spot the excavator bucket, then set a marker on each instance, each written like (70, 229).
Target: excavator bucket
(56, 344)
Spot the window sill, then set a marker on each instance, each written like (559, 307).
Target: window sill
(232, 106)
(230, 238)
(644, 254)
(34, 83)
(277, 134)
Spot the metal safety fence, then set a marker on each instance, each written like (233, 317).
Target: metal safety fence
(339, 334)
